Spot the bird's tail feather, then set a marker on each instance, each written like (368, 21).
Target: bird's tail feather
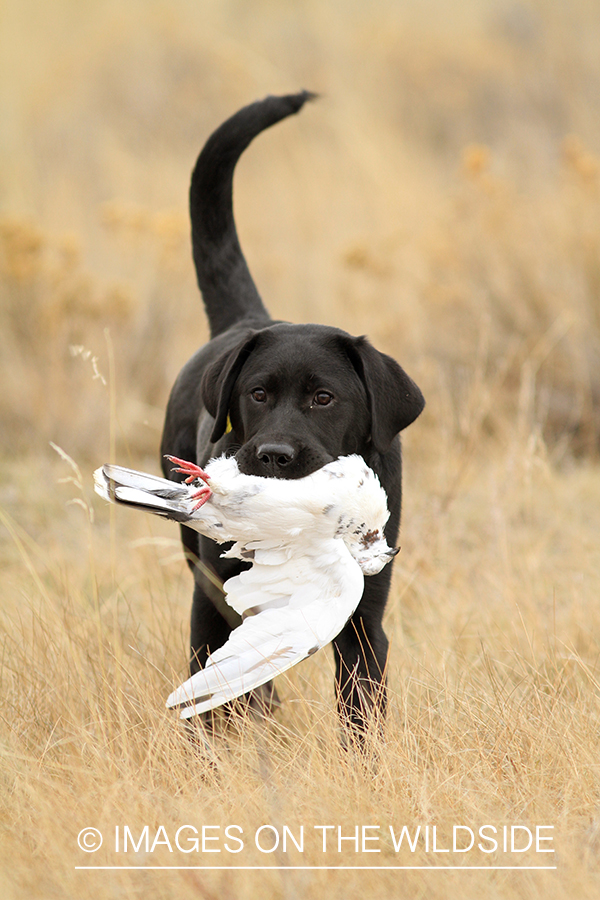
(146, 492)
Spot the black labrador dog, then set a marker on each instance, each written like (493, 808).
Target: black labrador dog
(285, 400)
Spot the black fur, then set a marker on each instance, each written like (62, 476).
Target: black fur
(285, 399)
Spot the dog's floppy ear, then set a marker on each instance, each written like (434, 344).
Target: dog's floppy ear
(394, 398)
(218, 381)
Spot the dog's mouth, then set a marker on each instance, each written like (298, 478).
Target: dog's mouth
(280, 459)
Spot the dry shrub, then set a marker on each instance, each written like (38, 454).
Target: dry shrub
(513, 279)
(69, 338)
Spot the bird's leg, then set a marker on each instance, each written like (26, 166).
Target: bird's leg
(202, 496)
(194, 473)
(188, 468)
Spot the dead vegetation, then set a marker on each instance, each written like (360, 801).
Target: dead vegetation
(442, 197)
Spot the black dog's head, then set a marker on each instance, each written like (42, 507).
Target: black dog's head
(298, 396)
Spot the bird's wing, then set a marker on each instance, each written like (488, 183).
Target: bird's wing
(262, 647)
(325, 573)
(247, 596)
(289, 611)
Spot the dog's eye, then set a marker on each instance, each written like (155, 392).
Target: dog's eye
(322, 398)
(259, 395)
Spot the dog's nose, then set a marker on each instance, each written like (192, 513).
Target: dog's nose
(276, 455)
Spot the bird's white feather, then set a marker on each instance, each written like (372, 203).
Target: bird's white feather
(279, 629)
(310, 540)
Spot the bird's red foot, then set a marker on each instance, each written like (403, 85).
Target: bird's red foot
(194, 473)
(188, 468)
(202, 496)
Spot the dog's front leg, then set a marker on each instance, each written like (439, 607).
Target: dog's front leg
(361, 651)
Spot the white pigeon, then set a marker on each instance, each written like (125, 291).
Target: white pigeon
(309, 540)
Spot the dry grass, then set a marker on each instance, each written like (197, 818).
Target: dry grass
(443, 197)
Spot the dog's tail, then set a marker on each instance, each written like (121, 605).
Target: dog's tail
(228, 290)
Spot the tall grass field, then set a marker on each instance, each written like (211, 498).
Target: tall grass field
(442, 197)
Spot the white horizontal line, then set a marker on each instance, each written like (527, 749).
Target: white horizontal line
(329, 868)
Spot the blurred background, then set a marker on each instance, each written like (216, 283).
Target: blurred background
(442, 197)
